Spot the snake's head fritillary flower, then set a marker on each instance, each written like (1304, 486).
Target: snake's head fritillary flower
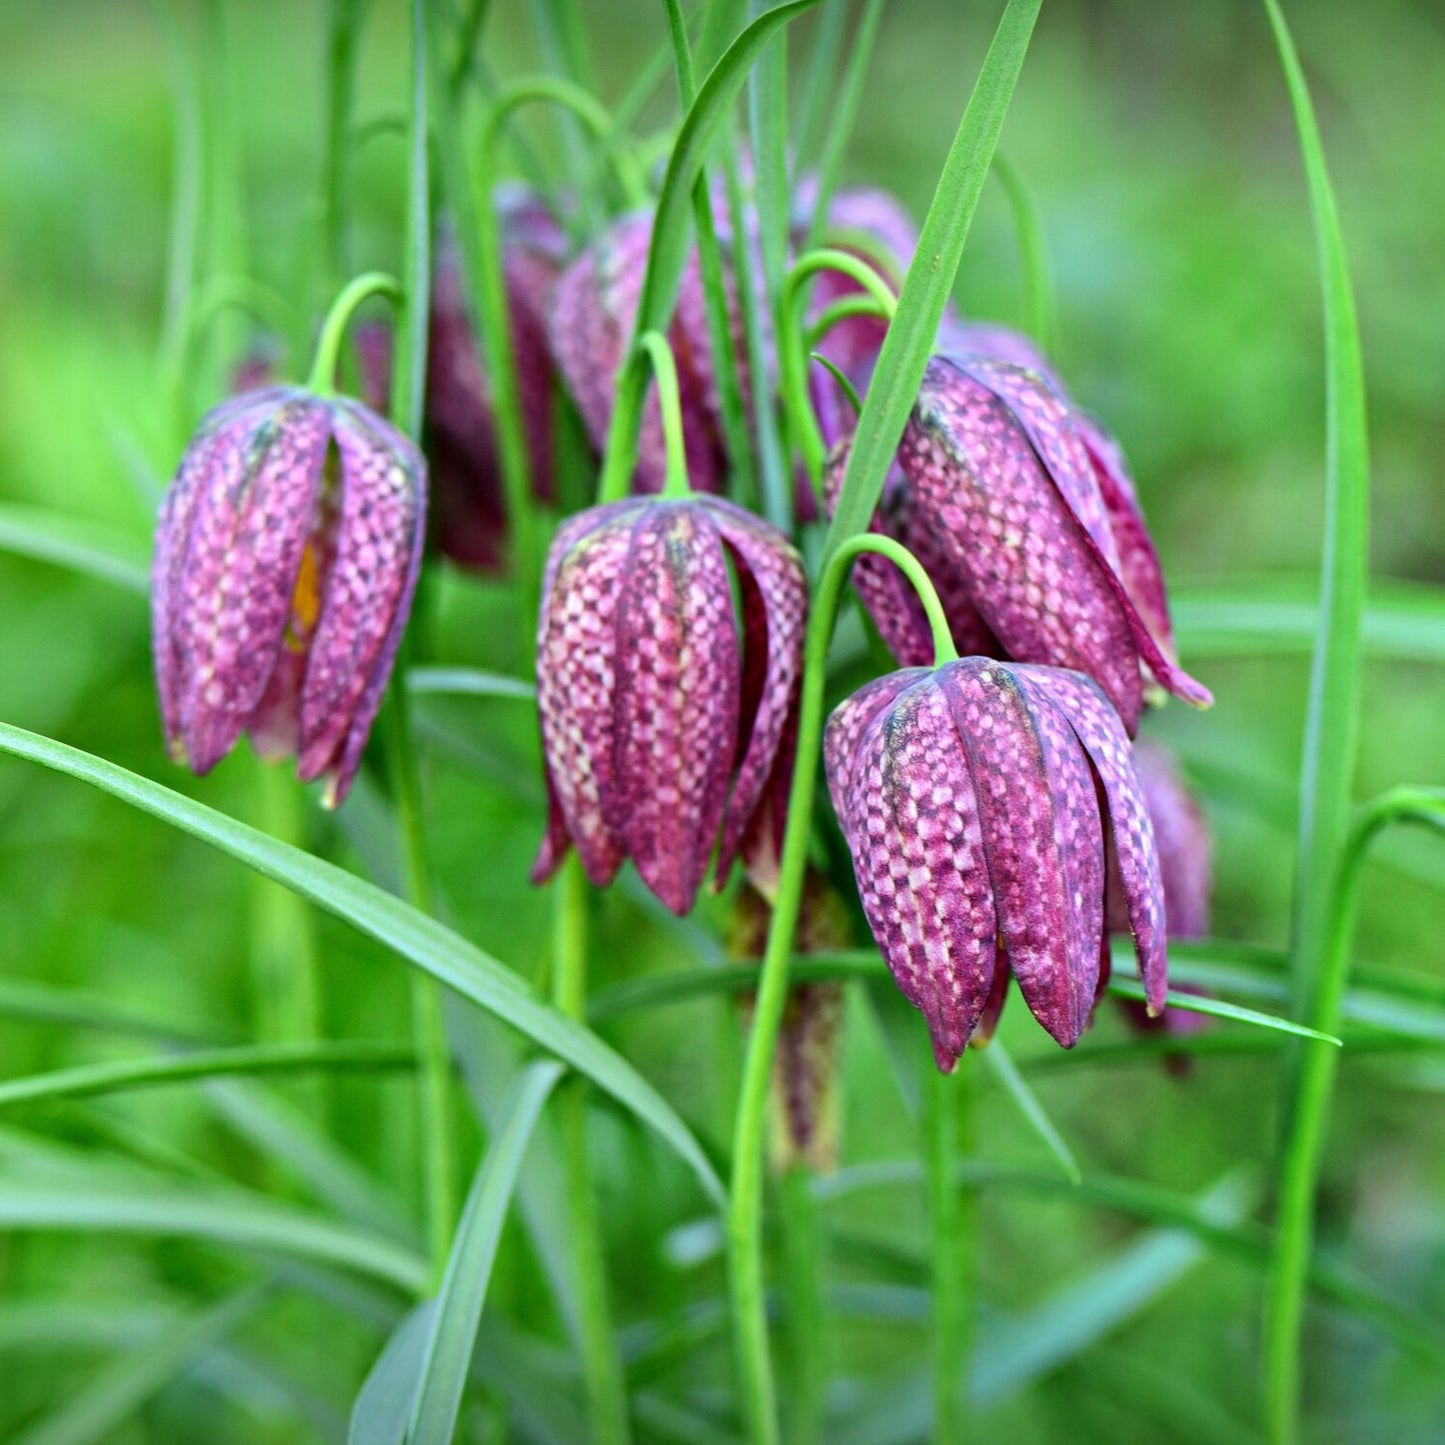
(976, 799)
(592, 312)
(662, 710)
(1002, 480)
(1185, 869)
(459, 429)
(286, 557)
(805, 1093)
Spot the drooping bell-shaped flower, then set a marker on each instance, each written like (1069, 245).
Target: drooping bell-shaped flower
(459, 429)
(593, 309)
(286, 556)
(977, 799)
(662, 711)
(997, 480)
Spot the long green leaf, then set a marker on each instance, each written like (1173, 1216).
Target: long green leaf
(467, 682)
(88, 1079)
(97, 1410)
(74, 543)
(107, 1202)
(1032, 1110)
(421, 940)
(910, 339)
(383, 1405)
(464, 1287)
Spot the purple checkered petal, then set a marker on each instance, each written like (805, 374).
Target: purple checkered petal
(677, 699)
(846, 726)
(1098, 727)
(1139, 568)
(1047, 420)
(375, 536)
(577, 681)
(975, 339)
(1003, 525)
(918, 856)
(248, 528)
(1042, 839)
(775, 609)
(1182, 837)
(889, 596)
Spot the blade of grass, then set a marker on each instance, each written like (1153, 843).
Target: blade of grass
(72, 542)
(447, 1357)
(413, 935)
(109, 1078)
(99, 1408)
(1331, 722)
(106, 1201)
(467, 682)
(1017, 1086)
(382, 1408)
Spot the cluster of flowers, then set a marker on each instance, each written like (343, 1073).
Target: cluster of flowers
(999, 817)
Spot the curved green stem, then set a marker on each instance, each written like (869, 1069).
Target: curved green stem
(942, 1114)
(844, 308)
(669, 398)
(1309, 1103)
(328, 347)
(797, 341)
(601, 1363)
(745, 1278)
(1038, 299)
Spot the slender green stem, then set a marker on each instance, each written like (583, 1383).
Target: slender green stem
(844, 309)
(333, 329)
(820, 89)
(1331, 725)
(949, 1301)
(480, 234)
(669, 399)
(1038, 297)
(226, 250)
(745, 1198)
(796, 342)
(344, 39)
(469, 30)
(1309, 1104)
(806, 1317)
(601, 1363)
(185, 218)
(726, 372)
(842, 112)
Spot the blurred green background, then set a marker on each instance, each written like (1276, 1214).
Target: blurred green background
(1158, 144)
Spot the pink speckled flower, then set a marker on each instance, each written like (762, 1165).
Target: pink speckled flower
(593, 309)
(286, 556)
(662, 718)
(996, 477)
(975, 799)
(459, 428)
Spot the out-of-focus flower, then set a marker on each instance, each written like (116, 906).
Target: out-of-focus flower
(997, 481)
(1185, 869)
(970, 797)
(594, 306)
(286, 556)
(459, 431)
(805, 1094)
(658, 726)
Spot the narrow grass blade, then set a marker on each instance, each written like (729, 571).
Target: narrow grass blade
(926, 289)
(24, 999)
(74, 543)
(1028, 1102)
(99, 1408)
(90, 1079)
(109, 1202)
(421, 940)
(468, 682)
(383, 1406)
(1217, 1008)
(464, 1287)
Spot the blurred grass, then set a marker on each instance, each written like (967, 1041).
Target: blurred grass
(1159, 146)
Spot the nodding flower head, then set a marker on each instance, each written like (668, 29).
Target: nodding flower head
(459, 428)
(593, 309)
(662, 712)
(1032, 527)
(977, 799)
(286, 556)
